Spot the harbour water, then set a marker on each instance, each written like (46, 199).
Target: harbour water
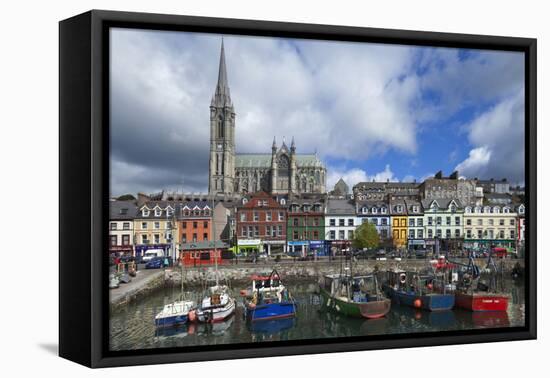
(133, 328)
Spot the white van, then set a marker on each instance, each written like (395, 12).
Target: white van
(150, 253)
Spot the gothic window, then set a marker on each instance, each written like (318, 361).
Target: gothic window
(220, 127)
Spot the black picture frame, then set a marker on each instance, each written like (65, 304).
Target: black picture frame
(84, 186)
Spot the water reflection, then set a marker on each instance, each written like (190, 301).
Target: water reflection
(133, 328)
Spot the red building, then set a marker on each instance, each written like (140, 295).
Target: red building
(204, 253)
(261, 224)
(194, 222)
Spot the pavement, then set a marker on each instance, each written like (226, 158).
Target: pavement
(140, 280)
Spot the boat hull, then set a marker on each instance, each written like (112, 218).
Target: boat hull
(216, 314)
(481, 302)
(171, 321)
(368, 310)
(428, 302)
(270, 311)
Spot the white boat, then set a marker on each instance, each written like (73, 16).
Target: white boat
(174, 314)
(216, 306)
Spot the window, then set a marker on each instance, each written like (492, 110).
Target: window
(283, 201)
(457, 233)
(491, 234)
(143, 225)
(364, 210)
(448, 234)
(243, 231)
(157, 225)
(512, 222)
(256, 216)
(403, 222)
(479, 234)
(501, 222)
(506, 210)
(420, 234)
(157, 238)
(195, 224)
(267, 230)
(341, 235)
(374, 221)
(145, 212)
(113, 240)
(411, 222)
(350, 234)
(384, 234)
(315, 235)
(468, 222)
(364, 220)
(480, 222)
(420, 222)
(512, 234)
(295, 222)
(205, 224)
(438, 220)
(268, 216)
(383, 210)
(243, 217)
(457, 221)
(332, 235)
(316, 221)
(521, 209)
(194, 238)
(398, 208)
(350, 222)
(415, 209)
(295, 235)
(491, 222)
(183, 238)
(496, 210)
(501, 234)
(125, 239)
(332, 222)
(126, 225)
(448, 221)
(341, 222)
(158, 212)
(281, 216)
(430, 221)
(411, 234)
(374, 210)
(438, 233)
(469, 234)
(144, 239)
(256, 231)
(205, 236)
(279, 230)
(384, 221)
(113, 225)
(430, 234)
(169, 212)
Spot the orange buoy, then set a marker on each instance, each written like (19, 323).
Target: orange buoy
(243, 293)
(418, 315)
(417, 303)
(192, 316)
(430, 286)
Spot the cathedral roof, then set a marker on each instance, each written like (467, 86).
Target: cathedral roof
(264, 160)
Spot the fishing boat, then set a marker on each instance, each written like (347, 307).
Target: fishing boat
(174, 314)
(268, 299)
(476, 294)
(216, 306)
(415, 290)
(351, 295)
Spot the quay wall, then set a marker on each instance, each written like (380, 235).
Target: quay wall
(303, 270)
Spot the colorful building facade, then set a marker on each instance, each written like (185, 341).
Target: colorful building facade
(155, 227)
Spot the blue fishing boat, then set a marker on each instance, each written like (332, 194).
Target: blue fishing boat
(174, 314)
(413, 290)
(268, 299)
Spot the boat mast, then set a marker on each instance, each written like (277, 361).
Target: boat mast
(214, 238)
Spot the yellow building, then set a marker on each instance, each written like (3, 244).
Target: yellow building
(154, 228)
(490, 226)
(398, 214)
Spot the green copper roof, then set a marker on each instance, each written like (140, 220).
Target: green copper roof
(264, 160)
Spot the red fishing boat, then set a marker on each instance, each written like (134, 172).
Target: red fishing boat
(481, 301)
(474, 295)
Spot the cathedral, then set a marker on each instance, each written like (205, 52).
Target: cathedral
(283, 171)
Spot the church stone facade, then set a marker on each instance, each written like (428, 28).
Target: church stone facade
(283, 171)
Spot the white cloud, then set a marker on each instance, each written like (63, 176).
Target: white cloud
(498, 139)
(355, 175)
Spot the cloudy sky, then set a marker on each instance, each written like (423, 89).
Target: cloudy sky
(370, 111)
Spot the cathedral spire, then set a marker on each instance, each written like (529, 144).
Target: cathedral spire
(222, 96)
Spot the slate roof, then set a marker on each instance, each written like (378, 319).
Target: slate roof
(442, 202)
(122, 210)
(203, 245)
(340, 206)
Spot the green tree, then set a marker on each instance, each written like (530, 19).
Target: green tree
(126, 197)
(366, 236)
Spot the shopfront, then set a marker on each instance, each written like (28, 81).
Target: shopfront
(142, 248)
(298, 248)
(274, 247)
(319, 247)
(338, 247)
(249, 246)
(416, 244)
(484, 245)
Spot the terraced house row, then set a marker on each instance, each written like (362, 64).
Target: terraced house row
(440, 214)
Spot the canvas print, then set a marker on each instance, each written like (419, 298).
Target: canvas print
(269, 189)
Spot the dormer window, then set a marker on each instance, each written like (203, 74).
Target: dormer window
(383, 210)
(364, 210)
(145, 212)
(398, 208)
(487, 209)
(169, 211)
(477, 209)
(468, 210)
(506, 210)
(374, 210)
(245, 201)
(415, 209)
(158, 211)
(521, 209)
(496, 210)
(283, 201)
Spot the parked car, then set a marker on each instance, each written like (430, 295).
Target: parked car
(158, 262)
(420, 253)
